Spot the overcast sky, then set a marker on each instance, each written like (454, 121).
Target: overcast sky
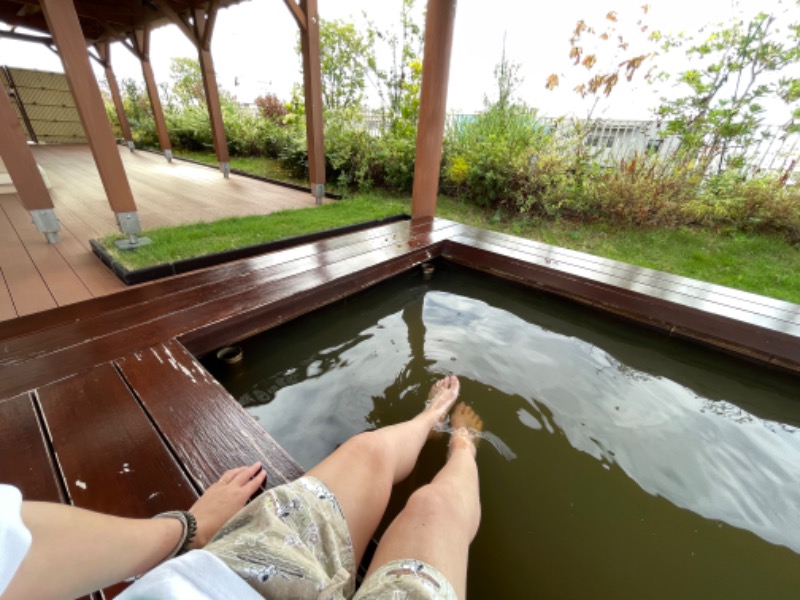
(254, 45)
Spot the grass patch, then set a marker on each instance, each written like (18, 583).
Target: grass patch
(257, 165)
(171, 244)
(761, 263)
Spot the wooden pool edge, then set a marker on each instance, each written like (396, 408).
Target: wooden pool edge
(753, 327)
(104, 404)
(221, 305)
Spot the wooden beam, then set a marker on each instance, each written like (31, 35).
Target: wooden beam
(24, 37)
(66, 31)
(433, 104)
(297, 13)
(199, 33)
(28, 181)
(211, 20)
(169, 11)
(312, 85)
(141, 41)
(104, 52)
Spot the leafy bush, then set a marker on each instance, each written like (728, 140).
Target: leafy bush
(488, 156)
(270, 107)
(643, 190)
(763, 205)
(349, 150)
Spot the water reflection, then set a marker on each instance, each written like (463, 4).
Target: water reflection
(710, 457)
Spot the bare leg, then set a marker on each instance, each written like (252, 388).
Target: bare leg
(362, 471)
(441, 519)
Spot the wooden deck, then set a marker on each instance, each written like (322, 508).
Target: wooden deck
(37, 276)
(103, 404)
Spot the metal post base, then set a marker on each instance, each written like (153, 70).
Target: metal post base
(133, 242)
(129, 224)
(47, 223)
(225, 167)
(130, 145)
(168, 155)
(318, 189)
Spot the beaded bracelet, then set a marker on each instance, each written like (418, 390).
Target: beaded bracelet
(189, 524)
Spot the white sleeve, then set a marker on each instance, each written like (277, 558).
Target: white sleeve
(197, 575)
(15, 539)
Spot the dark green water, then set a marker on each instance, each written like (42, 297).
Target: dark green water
(646, 467)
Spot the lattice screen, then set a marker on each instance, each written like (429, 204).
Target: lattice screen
(44, 105)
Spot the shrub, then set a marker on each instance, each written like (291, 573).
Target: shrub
(349, 150)
(271, 108)
(764, 204)
(393, 166)
(488, 156)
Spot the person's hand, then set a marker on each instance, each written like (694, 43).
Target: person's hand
(224, 499)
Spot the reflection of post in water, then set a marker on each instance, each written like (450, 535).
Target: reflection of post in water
(415, 373)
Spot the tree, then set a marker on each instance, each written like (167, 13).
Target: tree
(741, 67)
(186, 82)
(589, 49)
(346, 54)
(270, 107)
(399, 85)
(506, 75)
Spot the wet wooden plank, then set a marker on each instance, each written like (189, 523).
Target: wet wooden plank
(323, 252)
(319, 290)
(636, 279)
(665, 285)
(112, 459)
(207, 429)
(48, 355)
(732, 334)
(25, 459)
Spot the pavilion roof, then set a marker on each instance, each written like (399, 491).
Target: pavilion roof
(103, 20)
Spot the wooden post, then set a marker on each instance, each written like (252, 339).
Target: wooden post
(433, 103)
(141, 48)
(199, 31)
(104, 51)
(203, 30)
(65, 28)
(312, 86)
(25, 175)
(214, 110)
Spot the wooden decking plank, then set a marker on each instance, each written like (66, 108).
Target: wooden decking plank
(207, 429)
(708, 303)
(743, 337)
(642, 275)
(73, 348)
(25, 285)
(64, 285)
(7, 310)
(111, 457)
(25, 460)
(228, 274)
(89, 269)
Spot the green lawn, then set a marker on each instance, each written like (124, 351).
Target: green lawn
(758, 263)
(764, 264)
(257, 165)
(171, 244)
